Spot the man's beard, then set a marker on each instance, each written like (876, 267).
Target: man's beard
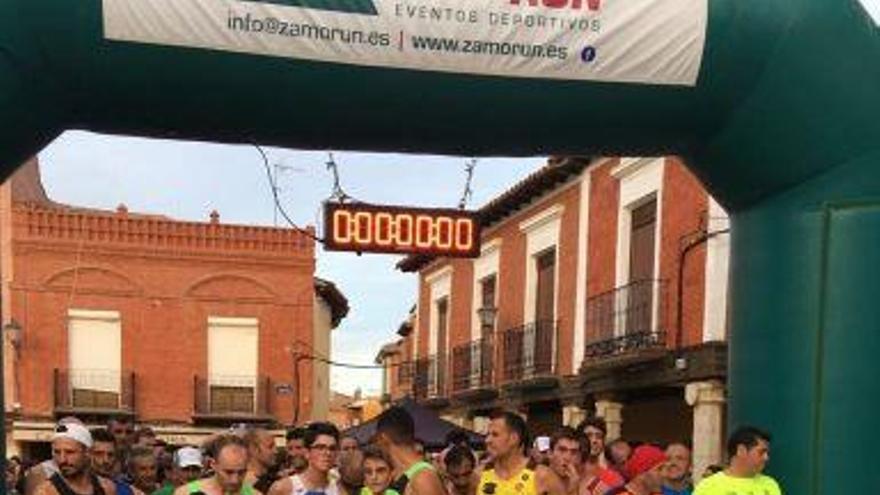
(70, 470)
(101, 471)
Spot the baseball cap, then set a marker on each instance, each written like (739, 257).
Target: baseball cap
(73, 431)
(644, 458)
(542, 444)
(187, 457)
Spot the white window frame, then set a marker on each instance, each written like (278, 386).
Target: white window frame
(485, 266)
(542, 233)
(440, 286)
(108, 316)
(717, 274)
(641, 180)
(232, 322)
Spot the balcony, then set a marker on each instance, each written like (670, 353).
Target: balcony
(429, 385)
(404, 376)
(530, 355)
(94, 392)
(628, 323)
(232, 398)
(472, 370)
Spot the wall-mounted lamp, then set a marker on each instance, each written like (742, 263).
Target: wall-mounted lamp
(13, 332)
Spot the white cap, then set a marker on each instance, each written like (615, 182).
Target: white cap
(75, 432)
(187, 457)
(542, 444)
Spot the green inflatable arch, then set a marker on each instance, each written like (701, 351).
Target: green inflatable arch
(773, 103)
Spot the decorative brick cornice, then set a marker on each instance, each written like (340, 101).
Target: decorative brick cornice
(34, 223)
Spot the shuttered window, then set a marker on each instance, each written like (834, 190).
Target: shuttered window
(95, 358)
(232, 364)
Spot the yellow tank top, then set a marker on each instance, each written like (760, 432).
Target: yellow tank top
(523, 483)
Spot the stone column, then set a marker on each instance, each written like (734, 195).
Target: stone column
(573, 415)
(707, 399)
(611, 412)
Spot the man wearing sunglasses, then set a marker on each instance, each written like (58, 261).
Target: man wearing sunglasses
(70, 452)
(322, 445)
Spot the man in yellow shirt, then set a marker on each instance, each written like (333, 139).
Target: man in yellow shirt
(749, 451)
(510, 475)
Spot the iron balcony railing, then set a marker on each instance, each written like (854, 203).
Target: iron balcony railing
(94, 391)
(529, 351)
(430, 378)
(472, 365)
(232, 396)
(627, 319)
(404, 374)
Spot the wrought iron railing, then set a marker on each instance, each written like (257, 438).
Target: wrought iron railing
(472, 365)
(405, 374)
(627, 319)
(94, 390)
(529, 351)
(429, 381)
(225, 395)
(420, 378)
(633, 342)
(437, 376)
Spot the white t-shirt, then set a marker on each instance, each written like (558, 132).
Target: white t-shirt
(299, 487)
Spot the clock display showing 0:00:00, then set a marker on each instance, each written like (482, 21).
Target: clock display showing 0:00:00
(403, 230)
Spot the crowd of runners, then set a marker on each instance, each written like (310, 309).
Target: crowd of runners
(317, 460)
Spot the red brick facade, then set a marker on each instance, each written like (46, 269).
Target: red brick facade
(165, 278)
(589, 258)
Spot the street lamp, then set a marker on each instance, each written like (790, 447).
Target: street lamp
(13, 332)
(487, 316)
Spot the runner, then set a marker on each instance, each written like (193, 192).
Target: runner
(229, 464)
(506, 443)
(322, 444)
(186, 467)
(677, 478)
(263, 460)
(142, 469)
(103, 457)
(561, 474)
(70, 451)
(644, 469)
(461, 477)
(297, 461)
(395, 435)
(749, 451)
(377, 472)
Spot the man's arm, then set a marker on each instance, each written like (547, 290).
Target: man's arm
(425, 483)
(281, 487)
(33, 479)
(45, 488)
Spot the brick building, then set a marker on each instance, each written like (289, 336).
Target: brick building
(184, 326)
(601, 288)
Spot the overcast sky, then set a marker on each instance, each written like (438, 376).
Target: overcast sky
(187, 180)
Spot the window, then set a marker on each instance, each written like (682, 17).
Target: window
(545, 264)
(232, 364)
(487, 300)
(640, 292)
(95, 345)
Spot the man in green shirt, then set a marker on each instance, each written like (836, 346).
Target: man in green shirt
(749, 451)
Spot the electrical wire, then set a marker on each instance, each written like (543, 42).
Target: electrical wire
(274, 187)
